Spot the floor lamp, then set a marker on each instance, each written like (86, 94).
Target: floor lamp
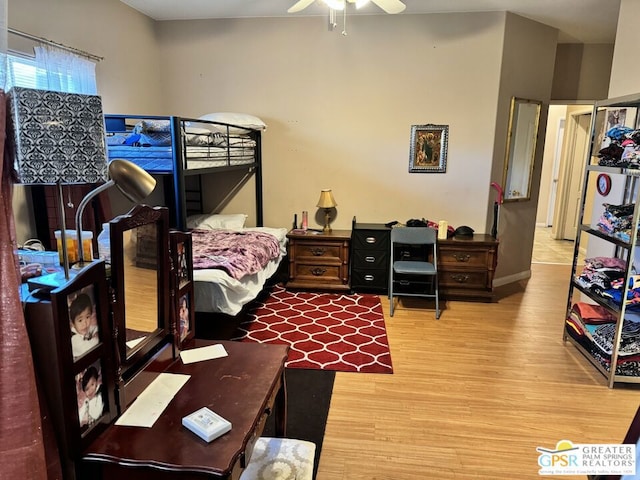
(58, 139)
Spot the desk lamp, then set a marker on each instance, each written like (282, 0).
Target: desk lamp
(327, 202)
(134, 183)
(59, 140)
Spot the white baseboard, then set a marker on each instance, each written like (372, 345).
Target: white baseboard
(516, 277)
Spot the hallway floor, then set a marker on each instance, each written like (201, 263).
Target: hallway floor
(548, 250)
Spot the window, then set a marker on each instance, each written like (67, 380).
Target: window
(52, 69)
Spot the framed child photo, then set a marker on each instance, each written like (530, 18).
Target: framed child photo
(428, 151)
(86, 367)
(181, 258)
(185, 317)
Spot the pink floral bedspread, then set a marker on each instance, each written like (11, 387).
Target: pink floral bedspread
(237, 253)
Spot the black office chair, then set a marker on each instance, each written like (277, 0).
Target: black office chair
(414, 264)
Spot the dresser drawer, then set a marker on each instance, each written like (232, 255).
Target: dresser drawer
(371, 240)
(467, 257)
(463, 279)
(369, 279)
(370, 259)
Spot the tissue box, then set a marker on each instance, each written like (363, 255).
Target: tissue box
(206, 424)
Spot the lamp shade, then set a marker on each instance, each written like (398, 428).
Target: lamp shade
(326, 199)
(134, 182)
(58, 137)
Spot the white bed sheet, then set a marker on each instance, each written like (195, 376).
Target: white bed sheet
(216, 291)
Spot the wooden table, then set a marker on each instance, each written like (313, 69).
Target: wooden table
(244, 388)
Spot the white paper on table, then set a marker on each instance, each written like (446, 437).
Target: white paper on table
(203, 353)
(134, 342)
(150, 404)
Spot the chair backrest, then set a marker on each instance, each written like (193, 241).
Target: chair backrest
(414, 235)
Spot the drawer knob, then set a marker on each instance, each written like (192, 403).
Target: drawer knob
(460, 278)
(318, 251)
(462, 257)
(370, 240)
(370, 259)
(369, 278)
(318, 271)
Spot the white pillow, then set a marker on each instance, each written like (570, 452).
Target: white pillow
(240, 119)
(210, 221)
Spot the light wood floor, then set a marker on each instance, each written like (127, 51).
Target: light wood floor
(549, 250)
(474, 393)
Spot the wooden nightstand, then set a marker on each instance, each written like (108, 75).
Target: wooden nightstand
(319, 261)
(466, 267)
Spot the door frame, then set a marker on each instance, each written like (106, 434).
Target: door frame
(568, 152)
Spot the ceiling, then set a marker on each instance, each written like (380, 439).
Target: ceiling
(579, 21)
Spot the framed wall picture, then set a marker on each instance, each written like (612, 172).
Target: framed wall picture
(428, 152)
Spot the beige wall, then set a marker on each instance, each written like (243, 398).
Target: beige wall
(582, 72)
(527, 76)
(339, 109)
(624, 71)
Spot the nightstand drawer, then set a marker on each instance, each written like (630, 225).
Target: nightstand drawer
(321, 273)
(467, 257)
(463, 279)
(318, 251)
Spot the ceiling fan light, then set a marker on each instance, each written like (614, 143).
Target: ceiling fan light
(335, 4)
(361, 3)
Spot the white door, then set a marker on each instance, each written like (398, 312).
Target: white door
(557, 157)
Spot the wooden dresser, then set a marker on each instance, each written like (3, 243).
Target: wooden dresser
(319, 261)
(466, 267)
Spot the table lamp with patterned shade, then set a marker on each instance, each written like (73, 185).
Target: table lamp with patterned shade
(59, 139)
(327, 202)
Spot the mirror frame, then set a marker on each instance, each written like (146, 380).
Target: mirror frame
(129, 366)
(522, 140)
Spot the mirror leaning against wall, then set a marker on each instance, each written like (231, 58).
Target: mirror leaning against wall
(522, 136)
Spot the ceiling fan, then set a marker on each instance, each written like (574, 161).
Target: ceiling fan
(389, 6)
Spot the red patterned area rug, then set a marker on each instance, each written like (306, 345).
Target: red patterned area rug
(326, 331)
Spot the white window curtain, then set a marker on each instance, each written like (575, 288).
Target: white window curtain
(63, 71)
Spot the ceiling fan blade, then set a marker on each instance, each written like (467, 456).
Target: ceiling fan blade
(300, 5)
(390, 6)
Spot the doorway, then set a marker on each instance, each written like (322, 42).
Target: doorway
(564, 159)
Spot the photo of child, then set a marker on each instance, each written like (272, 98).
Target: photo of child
(183, 315)
(89, 392)
(183, 271)
(83, 323)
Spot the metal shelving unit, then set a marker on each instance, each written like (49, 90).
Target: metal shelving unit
(592, 241)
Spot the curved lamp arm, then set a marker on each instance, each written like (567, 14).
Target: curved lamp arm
(134, 182)
(80, 211)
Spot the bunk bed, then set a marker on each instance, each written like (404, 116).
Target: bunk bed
(180, 151)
